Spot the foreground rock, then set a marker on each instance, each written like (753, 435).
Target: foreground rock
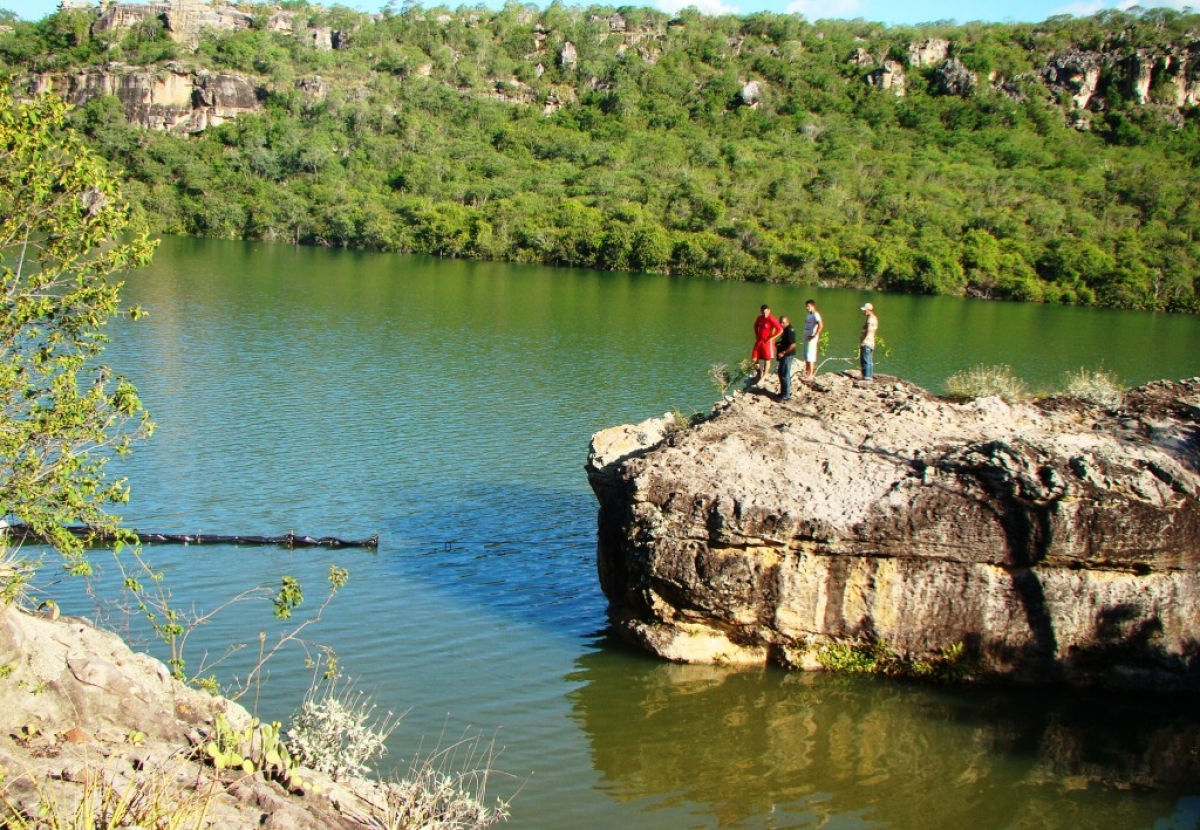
(1056, 542)
(80, 712)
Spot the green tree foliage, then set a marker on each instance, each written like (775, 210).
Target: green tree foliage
(475, 132)
(62, 415)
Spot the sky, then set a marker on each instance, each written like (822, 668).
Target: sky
(892, 12)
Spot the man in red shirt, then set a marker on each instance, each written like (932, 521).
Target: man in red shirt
(766, 329)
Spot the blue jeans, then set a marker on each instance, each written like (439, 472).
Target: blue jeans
(785, 375)
(866, 357)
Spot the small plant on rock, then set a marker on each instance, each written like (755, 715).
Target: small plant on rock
(256, 749)
(336, 731)
(447, 790)
(1094, 386)
(725, 377)
(987, 381)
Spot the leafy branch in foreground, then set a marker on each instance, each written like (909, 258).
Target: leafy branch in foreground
(62, 415)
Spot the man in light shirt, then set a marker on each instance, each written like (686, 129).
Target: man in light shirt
(866, 343)
(813, 325)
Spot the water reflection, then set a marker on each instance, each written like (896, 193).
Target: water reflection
(775, 749)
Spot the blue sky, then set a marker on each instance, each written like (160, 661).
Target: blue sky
(893, 12)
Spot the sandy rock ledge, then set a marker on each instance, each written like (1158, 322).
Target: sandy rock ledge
(1056, 541)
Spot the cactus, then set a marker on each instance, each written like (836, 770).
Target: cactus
(256, 749)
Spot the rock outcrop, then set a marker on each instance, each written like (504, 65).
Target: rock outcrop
(185, 20)
(952, 78)
(1057, 541)
(928, 52)
(77, 708)
(175, 98)
(890, 78)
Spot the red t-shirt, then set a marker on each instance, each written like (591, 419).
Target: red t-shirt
(766, 327)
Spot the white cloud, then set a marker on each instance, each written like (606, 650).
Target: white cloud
(712, 7)
(822, 9)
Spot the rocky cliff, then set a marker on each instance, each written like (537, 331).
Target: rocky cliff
(174, 97)
(1055, 541)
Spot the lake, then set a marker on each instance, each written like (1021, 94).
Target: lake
(447, 406)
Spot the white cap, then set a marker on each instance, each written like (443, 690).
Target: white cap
(867, 307)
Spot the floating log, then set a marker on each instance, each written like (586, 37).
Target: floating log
(288, 540)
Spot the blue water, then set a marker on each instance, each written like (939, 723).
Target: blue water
(447, 407)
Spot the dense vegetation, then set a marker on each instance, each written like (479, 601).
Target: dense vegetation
(468, 133)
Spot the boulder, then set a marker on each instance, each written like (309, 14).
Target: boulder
(1049, 542)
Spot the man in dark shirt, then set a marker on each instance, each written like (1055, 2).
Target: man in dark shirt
(786, 346)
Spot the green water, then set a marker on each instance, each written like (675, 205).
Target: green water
(447, 406)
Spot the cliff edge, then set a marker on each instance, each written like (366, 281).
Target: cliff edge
(1051, 542)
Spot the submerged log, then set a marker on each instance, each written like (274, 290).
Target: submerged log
(287, 540)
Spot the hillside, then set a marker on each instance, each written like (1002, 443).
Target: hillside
(1048, 162)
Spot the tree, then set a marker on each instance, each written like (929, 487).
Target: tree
(64, 230)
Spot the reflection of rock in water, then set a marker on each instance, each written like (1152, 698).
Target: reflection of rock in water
(808, 747)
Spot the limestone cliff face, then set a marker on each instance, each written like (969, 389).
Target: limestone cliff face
(174, 98)
(185, 20)
(1057, 542)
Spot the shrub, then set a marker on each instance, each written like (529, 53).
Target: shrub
(1095, 386)
(446, 790)
(336, 731)
(984, 381)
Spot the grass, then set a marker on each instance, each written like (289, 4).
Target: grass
(446, 790)
(152, 800)
(987, 381)
(1094, 386)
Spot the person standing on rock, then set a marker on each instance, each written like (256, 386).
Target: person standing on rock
(866, 343)
(813, 326)
(786, 353)
(766, 329)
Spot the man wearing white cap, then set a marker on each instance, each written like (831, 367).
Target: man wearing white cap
(866, 344)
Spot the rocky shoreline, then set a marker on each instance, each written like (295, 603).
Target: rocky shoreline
(84, 717)
(1050, 542)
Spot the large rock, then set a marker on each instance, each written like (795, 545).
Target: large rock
(1056, 542)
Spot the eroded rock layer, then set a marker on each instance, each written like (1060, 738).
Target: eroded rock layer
(1055, 542)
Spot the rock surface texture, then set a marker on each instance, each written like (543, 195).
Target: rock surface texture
(78, 707)
(1057, 541)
